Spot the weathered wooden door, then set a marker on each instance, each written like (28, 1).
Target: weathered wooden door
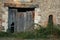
(28, 19)
(21, 20)
(12, 19)
(24, 20)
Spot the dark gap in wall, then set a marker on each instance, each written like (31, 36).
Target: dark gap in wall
(22, 9)
(25, 9)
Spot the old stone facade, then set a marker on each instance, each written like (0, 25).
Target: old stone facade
(3, 17)
(44, 9)
(49, 7)
(0, 17)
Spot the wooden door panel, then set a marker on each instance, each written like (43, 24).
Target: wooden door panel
(12, 18)
(24, 21)
(20, 21)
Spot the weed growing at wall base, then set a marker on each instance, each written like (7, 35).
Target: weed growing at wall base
(41, 33)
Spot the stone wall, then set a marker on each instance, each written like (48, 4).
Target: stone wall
(49, 7)
(0, 17)
(3, 17)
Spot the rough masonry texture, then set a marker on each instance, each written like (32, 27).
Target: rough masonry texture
(3, 17)
(49, 7)
(43, 9)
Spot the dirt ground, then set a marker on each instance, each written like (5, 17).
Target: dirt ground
(28, 39)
